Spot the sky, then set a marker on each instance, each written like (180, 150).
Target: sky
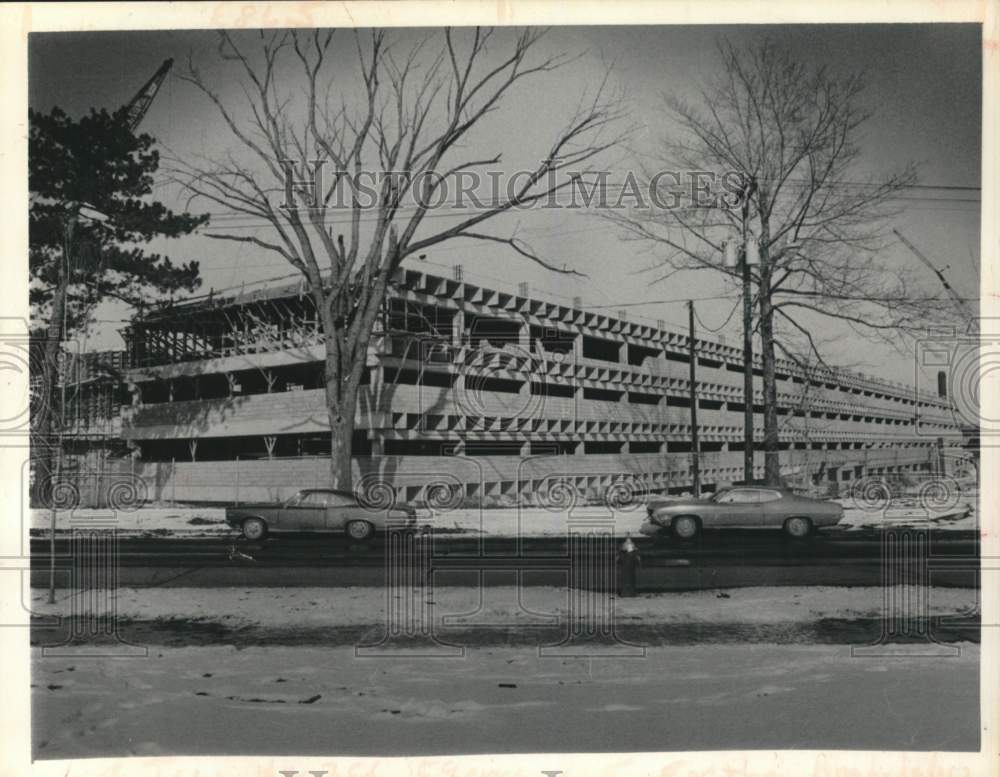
(924, 89)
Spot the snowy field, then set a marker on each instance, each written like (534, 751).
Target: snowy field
(324, 697)
(218, 700)
(297, 608)
(502, 522)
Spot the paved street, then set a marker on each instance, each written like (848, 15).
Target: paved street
(716, 560)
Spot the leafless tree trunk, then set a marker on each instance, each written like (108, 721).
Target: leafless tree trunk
(405, 112)
(820, 221)
(43, 422)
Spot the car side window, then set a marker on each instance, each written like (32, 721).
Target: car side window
(769, 496)
(738, 496)
(314, 499)
(339, 500)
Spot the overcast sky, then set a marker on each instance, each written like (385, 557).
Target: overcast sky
(925, 86)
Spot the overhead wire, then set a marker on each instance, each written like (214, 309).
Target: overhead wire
(721, 326)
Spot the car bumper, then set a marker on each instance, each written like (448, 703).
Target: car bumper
(399, 521)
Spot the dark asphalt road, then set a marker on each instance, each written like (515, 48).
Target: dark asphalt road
(729, 559)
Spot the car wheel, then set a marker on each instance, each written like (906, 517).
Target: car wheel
(359, 530)
(798, 528)
(254, 529)
(685, 527)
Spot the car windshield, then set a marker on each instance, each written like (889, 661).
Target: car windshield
(719, 494)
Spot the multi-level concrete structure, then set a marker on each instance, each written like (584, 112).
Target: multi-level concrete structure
(493, 393)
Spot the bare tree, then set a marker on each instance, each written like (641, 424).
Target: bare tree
(785, 135)
(406, 112)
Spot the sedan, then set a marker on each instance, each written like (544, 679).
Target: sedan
(742, 507)
(318, 510)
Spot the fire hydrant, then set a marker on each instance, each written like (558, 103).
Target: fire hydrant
(629, 562)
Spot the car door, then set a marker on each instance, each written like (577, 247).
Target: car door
(738, 508)
(305, 513)
(287, 517)
(340, 508)
(774, 508)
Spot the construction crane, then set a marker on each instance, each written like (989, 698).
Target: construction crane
(960, 303)
(138, 105)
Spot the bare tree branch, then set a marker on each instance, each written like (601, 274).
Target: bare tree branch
(401, 117)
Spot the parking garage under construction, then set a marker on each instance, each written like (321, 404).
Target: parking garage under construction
(495, 394)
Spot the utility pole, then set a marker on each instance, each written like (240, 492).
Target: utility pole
(692, 366)
(136, 109)
(60, 322)
(750, 184)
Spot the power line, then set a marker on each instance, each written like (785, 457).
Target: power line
(876, 184)
(723, 324)
(494, 203)
(251, 222)
(659, 302)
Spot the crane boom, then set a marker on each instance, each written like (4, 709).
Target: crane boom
(956, 298)
(138, 105)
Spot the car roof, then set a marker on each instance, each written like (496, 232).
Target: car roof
(758, 487)
(338, 491)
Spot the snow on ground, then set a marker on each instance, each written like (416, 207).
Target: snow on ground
(958, 513)
(148, 521)
(327, 700)
(502, 522)
(332, 607)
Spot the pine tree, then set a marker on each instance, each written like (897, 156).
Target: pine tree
(91, 215)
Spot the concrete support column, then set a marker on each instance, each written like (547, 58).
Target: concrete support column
(458, 329)
(573, 356)
(135, 392)
(378, 446)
